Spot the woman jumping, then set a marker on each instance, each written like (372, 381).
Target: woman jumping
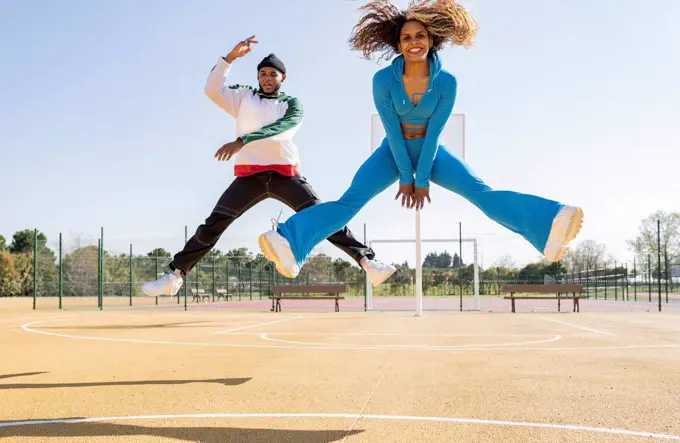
(414, 97)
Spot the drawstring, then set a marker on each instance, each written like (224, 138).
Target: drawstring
(275, 222)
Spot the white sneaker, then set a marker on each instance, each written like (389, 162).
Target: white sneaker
(377, 271)
(276, 248)
(169, 284)
(565, 228)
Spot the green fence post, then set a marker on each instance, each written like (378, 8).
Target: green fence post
(99, 274)
(665, 272)
(186, 283)
(35, 267)
(658, 257)
(131, 281)
(214, 285)
(101, 271)
(61, 273)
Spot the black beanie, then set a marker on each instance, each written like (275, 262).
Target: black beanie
(272, 61)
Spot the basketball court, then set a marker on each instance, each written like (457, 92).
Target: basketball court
(157, 376)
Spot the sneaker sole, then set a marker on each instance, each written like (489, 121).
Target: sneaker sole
(383, 280)
(575, 225)
(270, 254)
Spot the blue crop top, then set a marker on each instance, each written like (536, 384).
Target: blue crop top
(433, 110)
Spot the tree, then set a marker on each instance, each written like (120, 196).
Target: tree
(22, 241)
(402, 280)
(80, 272)
(342, 270)
(457, 262)
(3, 243)
(505, 262)
(436, 260)
(9, 277)
(587, 255)
(535, 272)
(158, 252)
(646, 240)
(318, 268)
(239, 256)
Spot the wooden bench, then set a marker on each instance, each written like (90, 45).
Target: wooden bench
(569, 288)
(222, 293)
(199, 294)
(279, 291)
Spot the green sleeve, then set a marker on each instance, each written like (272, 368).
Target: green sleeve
(290, 119)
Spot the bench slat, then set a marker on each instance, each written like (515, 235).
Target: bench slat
(309, 289)
(288, 297)
(569, 287)
(564, 297)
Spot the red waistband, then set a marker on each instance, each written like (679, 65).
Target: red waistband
(246, 170)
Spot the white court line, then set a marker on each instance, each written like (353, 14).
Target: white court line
(259, 324)
(580, 327)
(475, 421)
(266, 336)
(370, 396)
(27, 328)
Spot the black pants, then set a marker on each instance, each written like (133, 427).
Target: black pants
(243, 194)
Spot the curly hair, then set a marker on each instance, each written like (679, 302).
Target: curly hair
(379, 28)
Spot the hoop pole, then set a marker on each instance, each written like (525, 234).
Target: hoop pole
(419, 269)
(369, 289)
(476, 275)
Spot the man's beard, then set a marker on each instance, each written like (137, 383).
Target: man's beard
(275, 91)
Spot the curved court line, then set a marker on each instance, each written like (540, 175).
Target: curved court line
(476, 421)
(266, 336)
(27, 328)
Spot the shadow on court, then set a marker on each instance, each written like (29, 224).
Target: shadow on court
(217, 381)
(23, 374)
(192, 434)
(122, 327)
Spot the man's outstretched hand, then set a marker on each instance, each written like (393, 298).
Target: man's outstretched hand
(228, 150)
(242, 48)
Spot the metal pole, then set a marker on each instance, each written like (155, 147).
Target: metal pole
(101, 305)
(635, 279)
(658, 256)
(186, 283)
(649, 276)
(476, 277)
(627, 288)
(365, 275)
(665, 272)
(99, 274)
(419, 269)
(616, 283)
(61, 273)
(35, 267)
(131, 278)
(460, 261)
(214, 284)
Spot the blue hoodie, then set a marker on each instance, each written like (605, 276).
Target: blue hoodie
(433, 110)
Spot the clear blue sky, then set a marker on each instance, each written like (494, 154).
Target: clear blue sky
(103, 120)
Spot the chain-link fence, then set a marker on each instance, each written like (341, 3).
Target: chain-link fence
(80, 272)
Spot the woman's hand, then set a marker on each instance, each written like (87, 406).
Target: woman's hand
(419, 196)
(407, 197)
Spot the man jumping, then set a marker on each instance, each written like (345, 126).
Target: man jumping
(267, 166)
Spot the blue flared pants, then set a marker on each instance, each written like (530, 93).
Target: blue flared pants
(527, 215)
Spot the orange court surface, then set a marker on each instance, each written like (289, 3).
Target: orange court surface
(260, 376)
